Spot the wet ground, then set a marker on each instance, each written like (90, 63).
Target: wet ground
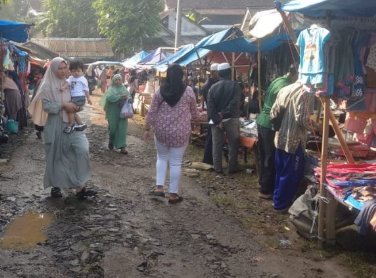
(125, 233)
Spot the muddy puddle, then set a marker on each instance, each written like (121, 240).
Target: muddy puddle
(26, 231)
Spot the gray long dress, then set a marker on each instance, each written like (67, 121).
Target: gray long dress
(67, 155)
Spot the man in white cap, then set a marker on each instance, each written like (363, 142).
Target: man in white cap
(224, 112)
(212, 79)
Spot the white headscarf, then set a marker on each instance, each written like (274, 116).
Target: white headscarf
(49, 90)
(89, 71)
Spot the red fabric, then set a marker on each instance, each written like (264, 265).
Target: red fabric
(346, 172)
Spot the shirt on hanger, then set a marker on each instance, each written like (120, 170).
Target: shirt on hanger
(311, 42)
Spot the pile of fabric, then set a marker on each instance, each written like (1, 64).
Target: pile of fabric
(356, 186)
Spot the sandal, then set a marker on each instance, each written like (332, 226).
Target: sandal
(85, 193)
(157, 193)
(56, 192)
(175, 201)
(265, 196)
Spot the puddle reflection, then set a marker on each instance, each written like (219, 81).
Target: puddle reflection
(26, 231)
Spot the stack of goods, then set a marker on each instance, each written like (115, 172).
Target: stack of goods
(357, 149)
(352, 184)
(248, 128)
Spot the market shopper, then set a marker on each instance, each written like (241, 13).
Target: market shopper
(13, 98)
(67, 155)
(223, 112)
(266, 134)
(212, 79)
(133, 84)
(103, 79)
(39, 129)
(112, 102)
(290, 141)
(90, 76)
(170, 114)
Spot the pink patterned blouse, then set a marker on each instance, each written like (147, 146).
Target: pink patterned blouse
(172, 125)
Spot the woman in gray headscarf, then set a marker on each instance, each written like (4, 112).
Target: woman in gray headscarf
(67, 155)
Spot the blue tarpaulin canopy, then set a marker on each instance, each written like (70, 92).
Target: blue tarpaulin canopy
(132, 61)
(235, 45)
(316, 8)
(239, 45)
(173, 58)
(14, 31)
(157, 56)
(198, 51)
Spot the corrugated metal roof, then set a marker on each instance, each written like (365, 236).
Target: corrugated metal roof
(77, 47)
(221, 4)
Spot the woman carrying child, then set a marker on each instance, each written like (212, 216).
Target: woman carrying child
(67, 155)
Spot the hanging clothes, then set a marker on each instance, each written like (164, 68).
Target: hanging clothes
(312, 60)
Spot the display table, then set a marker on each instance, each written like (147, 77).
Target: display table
(247, 143)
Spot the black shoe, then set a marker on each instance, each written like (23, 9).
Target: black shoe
(80, 127)
(175, 201)
(157, 193)
(111, 146)
(39, 134)
(85, 193)
(123, 150)
(69, 129)
(56, 192)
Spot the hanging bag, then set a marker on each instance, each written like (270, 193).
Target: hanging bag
(126, 111)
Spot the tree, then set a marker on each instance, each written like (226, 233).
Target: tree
(14, 10)
(69, 18)
(126, 22)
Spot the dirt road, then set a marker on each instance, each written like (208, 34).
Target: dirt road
(125, 233)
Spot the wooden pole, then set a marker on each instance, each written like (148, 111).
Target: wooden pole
(178, 24)
(325, 136)
(341, 139)
(2, 76)
(249, 94)
(330, 220)
(318, 112)
(289, 29)
(233, 66)
(259, 76)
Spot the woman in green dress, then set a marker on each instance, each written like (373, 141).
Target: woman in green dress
(67, 155)
(112, 102)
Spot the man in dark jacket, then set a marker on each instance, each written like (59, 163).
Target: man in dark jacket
(223, 113)
(213, 78)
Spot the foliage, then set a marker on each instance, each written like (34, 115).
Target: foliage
(69, 18)
(126, 22)
(13, 10)
(196, 17)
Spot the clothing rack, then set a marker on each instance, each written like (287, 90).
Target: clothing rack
(326, 221)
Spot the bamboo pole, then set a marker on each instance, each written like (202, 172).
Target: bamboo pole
(249, 88)
(322, 205)
(233, 66)
(2, 75)
(289, 29)
(341, 139)
(259, 76)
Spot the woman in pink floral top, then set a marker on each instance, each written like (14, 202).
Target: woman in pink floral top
(170, 114)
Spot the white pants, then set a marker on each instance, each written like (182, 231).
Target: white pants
(174, 155)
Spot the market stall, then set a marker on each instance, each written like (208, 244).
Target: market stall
(346, 37)
(132, 61)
